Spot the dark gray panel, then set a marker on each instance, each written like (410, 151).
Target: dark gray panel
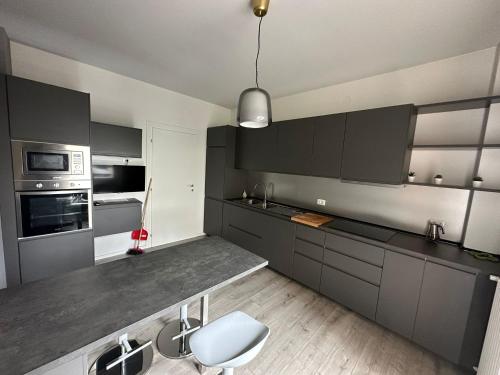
(377, 144)
(306, 271)
(399, 292)
(54, 255)
(294, 147)
(307, 248)
(212, 222)
(7, 197)
(278, 242)
(360, 250)
(215, 171)
(328, 145)
(216, 136)
(309, 234)
(243, 227)
(443, 310)
(256, 149)
(350, 291)
(113, 140)
(354, 267)
(46, 113)
(118, 218)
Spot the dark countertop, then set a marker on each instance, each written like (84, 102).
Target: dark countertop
(443, 252)
(48, 319)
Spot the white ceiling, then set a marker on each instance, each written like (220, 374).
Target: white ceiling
(206, 49)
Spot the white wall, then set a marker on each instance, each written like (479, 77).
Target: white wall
(117, 99)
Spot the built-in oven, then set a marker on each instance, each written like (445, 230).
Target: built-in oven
(49, 166)
(42, 213)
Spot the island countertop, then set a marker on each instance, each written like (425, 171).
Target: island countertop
(41, 322)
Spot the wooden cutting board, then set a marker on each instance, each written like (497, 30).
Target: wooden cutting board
(313, 220)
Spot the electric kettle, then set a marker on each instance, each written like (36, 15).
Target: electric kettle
(433, 231)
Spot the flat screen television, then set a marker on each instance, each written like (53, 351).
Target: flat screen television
(118, 178)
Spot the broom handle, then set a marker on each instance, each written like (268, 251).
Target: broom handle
(145, 204)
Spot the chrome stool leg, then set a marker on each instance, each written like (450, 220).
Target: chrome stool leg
(173, 339)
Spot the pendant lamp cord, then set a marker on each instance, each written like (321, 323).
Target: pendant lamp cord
(257, 58)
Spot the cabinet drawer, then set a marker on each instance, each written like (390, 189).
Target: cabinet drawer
(245, 239)
(309, 249)
(354, 267)
(360, 250)
(306, 271)
(350, 291)
(312, 235)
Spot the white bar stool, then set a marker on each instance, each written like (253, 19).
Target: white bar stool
(229, 342)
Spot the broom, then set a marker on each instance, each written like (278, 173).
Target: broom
(140, 234)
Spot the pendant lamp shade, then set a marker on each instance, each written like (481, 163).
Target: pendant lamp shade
(254, 108)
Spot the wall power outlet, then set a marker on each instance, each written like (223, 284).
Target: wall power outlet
(321, 202)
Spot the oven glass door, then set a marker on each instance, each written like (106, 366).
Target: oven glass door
(50, 212)
(46, 162)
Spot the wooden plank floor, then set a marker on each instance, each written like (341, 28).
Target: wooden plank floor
(310, 334)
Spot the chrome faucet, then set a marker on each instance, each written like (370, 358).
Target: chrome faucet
(266, 186)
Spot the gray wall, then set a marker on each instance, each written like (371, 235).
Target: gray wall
(407, 207)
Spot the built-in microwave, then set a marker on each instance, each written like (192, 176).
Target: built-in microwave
(48, 166)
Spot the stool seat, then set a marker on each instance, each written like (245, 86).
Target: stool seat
(230, 341)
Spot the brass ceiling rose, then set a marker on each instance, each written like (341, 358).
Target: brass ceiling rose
(260, 7)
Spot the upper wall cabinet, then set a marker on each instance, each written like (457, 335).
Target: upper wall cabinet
(256, 149)
(46, 113)
(294, 146)
(328, 144)
(377, 144)
(112, 140)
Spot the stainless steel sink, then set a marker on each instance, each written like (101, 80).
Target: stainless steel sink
(271, 207)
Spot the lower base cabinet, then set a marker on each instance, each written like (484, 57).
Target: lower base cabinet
(399, 292)
(306, 271)
(212, 219)
(443, 310)
(54, 255)
(350, 291)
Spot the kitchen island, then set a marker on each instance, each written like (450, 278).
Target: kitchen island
(56, 321)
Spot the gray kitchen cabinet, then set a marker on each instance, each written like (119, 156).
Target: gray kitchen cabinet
(353, 267)
(294, 146)
(256, 149)
(212, 220)
(116, 218)
(222, 180)
(46, 113)
(215, 172)
(309, 249)
(244, 228)
(443, 310)
(278, 243)
(52, 255)
(328, 145)
(264, 235)
(350, 291)
(314, 236)
(113, 140)
(306, 271)
(377, 144)
(399, 292)
(356, 249)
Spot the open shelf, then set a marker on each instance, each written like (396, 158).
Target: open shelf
(439, 186)
(444, 186)
(456, 146)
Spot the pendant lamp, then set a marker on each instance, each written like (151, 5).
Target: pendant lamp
(254, 106)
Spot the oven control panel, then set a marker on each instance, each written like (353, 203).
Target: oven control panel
(77, 162)
(51, 185)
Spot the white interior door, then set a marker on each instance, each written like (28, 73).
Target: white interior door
(177, 197)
